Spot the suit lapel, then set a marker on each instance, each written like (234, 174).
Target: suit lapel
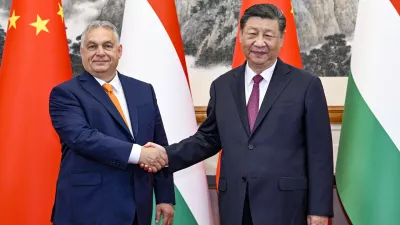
(280, 79)
(130, 94)
(94, 88)
(238, 91)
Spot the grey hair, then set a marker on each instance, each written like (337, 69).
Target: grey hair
(99, 24)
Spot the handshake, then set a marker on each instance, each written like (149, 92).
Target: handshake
(153, 157)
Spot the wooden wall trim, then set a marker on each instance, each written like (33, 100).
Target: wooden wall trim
(335, 114)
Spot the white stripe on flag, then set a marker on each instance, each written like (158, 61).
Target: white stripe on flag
(375, 62)
(149, 55)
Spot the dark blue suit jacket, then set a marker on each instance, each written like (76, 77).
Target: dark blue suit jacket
(286, 162)
(96, 185)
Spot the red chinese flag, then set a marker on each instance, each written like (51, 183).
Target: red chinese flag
(35, 59)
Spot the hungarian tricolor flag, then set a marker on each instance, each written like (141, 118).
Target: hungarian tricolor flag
(290, 51)
(153, 52)
(35, 59)
(368, 164)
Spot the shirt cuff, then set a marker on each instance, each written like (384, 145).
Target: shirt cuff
(135, 154)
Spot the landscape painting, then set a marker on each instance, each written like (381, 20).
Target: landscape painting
(208, 28)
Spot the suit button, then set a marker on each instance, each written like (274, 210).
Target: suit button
(244, 179)
(251, 146)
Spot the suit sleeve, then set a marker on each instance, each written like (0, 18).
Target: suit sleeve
(319, 151)
(163, 180)
(202, 145)
(69, 121)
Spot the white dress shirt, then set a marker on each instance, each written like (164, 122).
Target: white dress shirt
(119, 93)
(248, 81)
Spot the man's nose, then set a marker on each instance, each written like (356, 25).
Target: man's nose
(100, 51)
(259, 44)
(260, 41)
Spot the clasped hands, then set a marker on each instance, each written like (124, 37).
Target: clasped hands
(153, 157)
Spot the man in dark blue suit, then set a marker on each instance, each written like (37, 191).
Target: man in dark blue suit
(271, 120)
(102, 117)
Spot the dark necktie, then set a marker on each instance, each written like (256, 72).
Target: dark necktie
(253, 104)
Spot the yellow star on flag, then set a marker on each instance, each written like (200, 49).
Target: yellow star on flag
(291, 10)
(13, 20)
(60, 12)
(40, 25)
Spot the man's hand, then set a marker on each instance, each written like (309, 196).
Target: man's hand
(167, 211)
(153, 158)
(148, 167)
(317, 220)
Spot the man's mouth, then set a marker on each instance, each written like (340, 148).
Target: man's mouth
(259, 53)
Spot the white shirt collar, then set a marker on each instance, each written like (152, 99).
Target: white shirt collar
(115, 82)
(266, 74)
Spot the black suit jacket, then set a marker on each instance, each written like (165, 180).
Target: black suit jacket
(287, 161)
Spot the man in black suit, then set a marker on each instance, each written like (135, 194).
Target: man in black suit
(272, 122)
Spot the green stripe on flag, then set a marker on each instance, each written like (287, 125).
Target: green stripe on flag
(368, 165)
(182, 213)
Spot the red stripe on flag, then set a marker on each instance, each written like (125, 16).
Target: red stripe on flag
(166, 12)
(396, 5)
